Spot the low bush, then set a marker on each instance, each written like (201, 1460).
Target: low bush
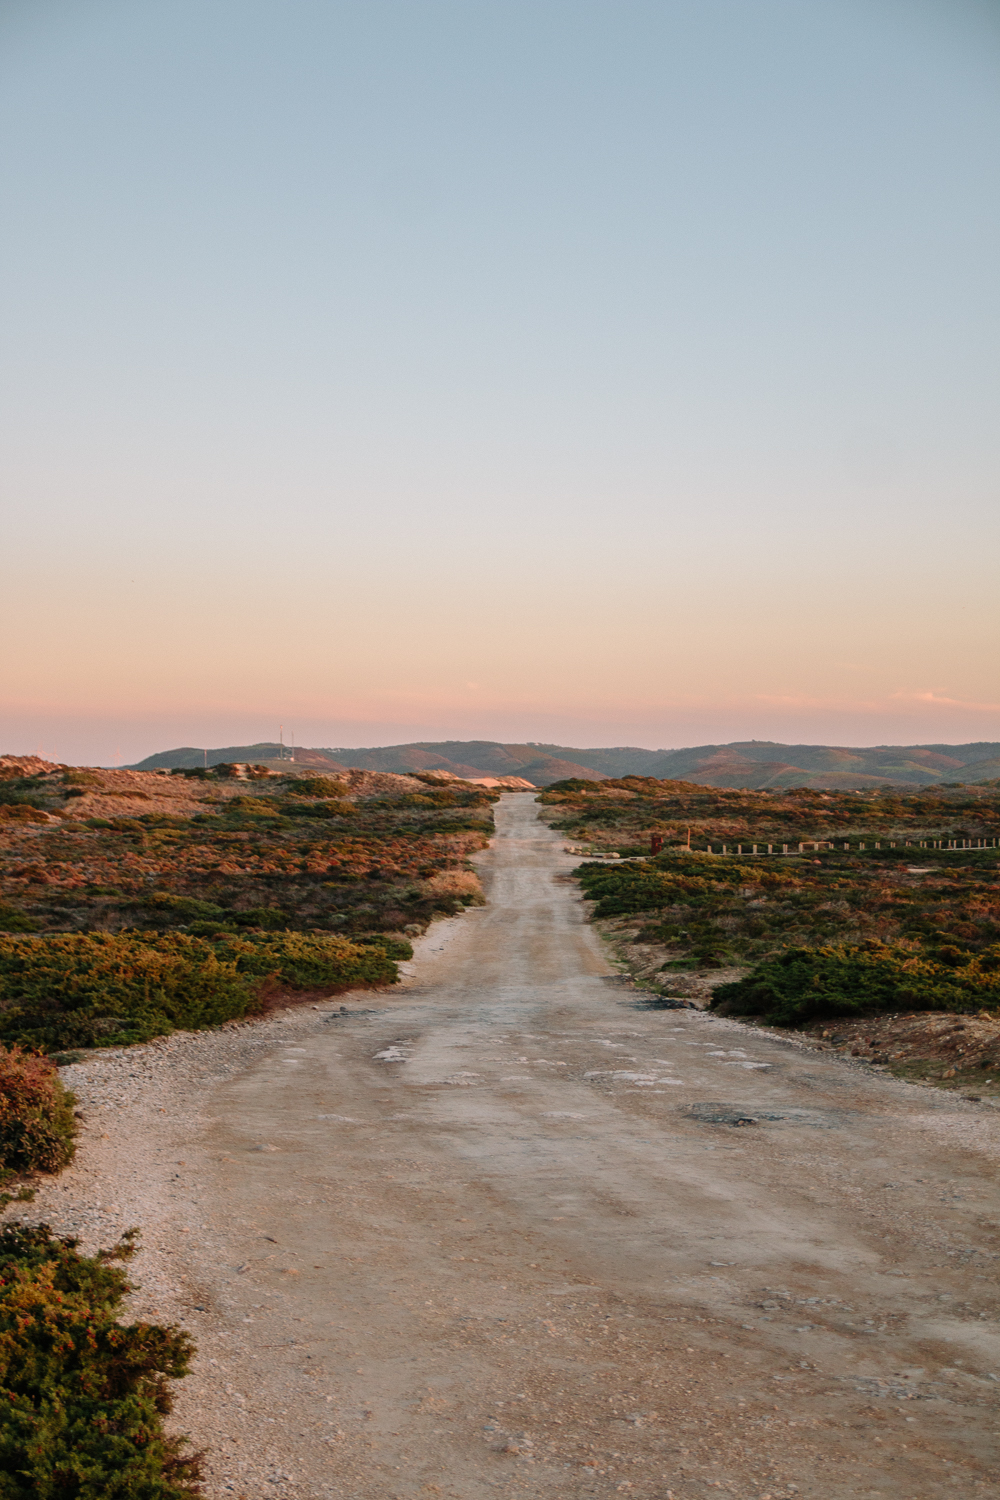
(666, 881)
(14, 920)
(37, 1126)
(182, 908)
(310, 960)
(257, 807)
(396, 948)
(269, 917)
(82, 779)
(99, 989)
(82, 1396)
(25, 791)
(461, 883)
(805, 984)
(313, 809)
(313, 786)
(104, 989)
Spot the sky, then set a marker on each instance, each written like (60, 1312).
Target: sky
(587, 373)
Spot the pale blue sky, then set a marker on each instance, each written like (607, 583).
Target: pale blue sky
(590, 372)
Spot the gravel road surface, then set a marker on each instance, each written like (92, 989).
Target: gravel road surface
(502, 1230)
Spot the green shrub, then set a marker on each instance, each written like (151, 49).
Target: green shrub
(104, 989)
(313, 786)
(311, 809)
(395, 948)
(37, 1126)
(183, 908)
(310, 960)
(13, 920)
(82, 1397)
(257, 807)
(87, 989)
(804, 984)
(211, 926)
(667, 881)
(271, 918)
(24, 791)
(82, 778)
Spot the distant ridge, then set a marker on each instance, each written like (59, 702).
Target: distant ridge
(267, 752)
(745, 763)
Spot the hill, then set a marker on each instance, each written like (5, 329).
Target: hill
(264, 753)
(757, 764)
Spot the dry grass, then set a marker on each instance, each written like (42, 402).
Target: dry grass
(461, 883)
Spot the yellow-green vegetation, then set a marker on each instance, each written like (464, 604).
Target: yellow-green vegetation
(117, 929)
(803, 984)
(83, 1396)
(115, 989)
(831, 932)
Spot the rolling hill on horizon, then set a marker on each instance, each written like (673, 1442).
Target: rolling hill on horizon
(756, 764)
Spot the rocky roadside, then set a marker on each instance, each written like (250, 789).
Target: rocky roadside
(958, 1052)
(141, 1109)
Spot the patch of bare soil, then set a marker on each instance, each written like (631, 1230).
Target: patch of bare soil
(27, 765)
(501, 783)
(959, 1052)
(653, 965)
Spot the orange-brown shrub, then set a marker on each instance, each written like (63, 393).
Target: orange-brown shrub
(37, 1127)
(461, 883)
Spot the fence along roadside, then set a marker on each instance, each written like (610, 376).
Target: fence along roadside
(817, 846)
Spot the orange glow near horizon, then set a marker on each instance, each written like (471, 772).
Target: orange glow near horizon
(587, 377)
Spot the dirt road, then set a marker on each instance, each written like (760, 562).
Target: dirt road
(502, 1232)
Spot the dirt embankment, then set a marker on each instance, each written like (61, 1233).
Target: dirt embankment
(957, 1052)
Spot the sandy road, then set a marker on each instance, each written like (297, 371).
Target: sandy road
(495, 1233)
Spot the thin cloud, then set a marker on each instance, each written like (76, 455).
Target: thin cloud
(939, 701)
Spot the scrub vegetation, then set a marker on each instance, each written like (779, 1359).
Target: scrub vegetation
(37, 1124)
(900, 926)
(622, 815)
(114, 929)
(83, 1396)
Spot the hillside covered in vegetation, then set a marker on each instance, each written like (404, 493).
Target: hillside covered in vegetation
(746, 763)
(622, 815)
(132, 902)
(898, 909)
